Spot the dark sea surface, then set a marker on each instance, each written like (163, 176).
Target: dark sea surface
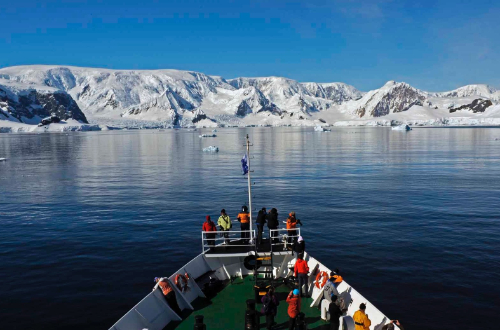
(87, 220)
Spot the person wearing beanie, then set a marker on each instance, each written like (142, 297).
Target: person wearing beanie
(209, 227)
(361, 320)
(272, 223)
(300, 246)
(244, 219)
(225, 225)
(270, 307)
(294, 304)
(261, 221)
(330, 295)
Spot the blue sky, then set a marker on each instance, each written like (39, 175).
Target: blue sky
(432, 45)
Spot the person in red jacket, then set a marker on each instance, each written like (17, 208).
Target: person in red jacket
(301, 271)
(294, 303)
(209, 226)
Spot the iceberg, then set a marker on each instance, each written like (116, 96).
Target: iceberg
(211, 149)
(3, 159)
(403, 127)
(207, 135)
(321, 129)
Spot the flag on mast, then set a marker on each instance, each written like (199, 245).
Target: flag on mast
(244, 164)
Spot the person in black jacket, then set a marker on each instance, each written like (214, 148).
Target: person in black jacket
(261, 221)
(272, 222)
(335, 314)
(299, 246)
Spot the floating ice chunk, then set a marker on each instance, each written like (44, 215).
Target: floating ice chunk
(211, 149)
(403, 127)
(207, 135)
(214, 130)
(321, 129)
(3, 159)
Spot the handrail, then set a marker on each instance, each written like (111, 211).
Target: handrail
(221, 238)
(280, 237)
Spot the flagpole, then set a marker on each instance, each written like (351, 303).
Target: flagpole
(249, 189)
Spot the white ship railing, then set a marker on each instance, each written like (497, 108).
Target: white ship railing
(233, 237)
(280, 237)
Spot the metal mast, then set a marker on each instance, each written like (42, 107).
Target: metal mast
(249, 189)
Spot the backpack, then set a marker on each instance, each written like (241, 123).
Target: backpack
(341, 303)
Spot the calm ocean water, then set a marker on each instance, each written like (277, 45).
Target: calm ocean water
(87, 220)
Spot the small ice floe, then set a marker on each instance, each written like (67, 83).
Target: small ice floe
(403, 127)
(211, 149)
(3, 159)
(207, 135)
(214, 131)
(321, 129)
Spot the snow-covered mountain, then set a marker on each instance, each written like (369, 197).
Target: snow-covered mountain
(186, 98)
(337, 92)
(393, 97)
(485, 91)
(30, 103)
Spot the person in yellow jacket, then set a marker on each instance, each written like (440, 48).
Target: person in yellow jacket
(225, 225)
(361, 320)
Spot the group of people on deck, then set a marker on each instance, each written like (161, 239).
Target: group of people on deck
(263, 217)
(294, 298)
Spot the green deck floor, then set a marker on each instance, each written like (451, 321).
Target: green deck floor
(227, 309)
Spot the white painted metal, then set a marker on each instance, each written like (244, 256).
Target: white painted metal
(219, 240)
(154, 313)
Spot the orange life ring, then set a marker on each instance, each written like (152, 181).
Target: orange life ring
(181, 281)
(321, 279)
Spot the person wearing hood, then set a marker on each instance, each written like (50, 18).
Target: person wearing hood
(272, 222)
(300, 246)
(270, 307)
(294, 304)
(209, 226)
(261, 221)
(225, 225)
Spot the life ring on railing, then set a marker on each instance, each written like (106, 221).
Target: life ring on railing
(181, 281)
(321, 279)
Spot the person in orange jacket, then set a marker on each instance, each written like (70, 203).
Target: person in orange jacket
(294, 303)
(301, 271)
(337, 279)
(291, 224)
(361, 320)
(209, 226)
(244, 219)
(169, 294)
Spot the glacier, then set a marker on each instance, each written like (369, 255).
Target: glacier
(100, 98)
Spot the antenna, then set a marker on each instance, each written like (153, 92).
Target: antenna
(249, 187)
